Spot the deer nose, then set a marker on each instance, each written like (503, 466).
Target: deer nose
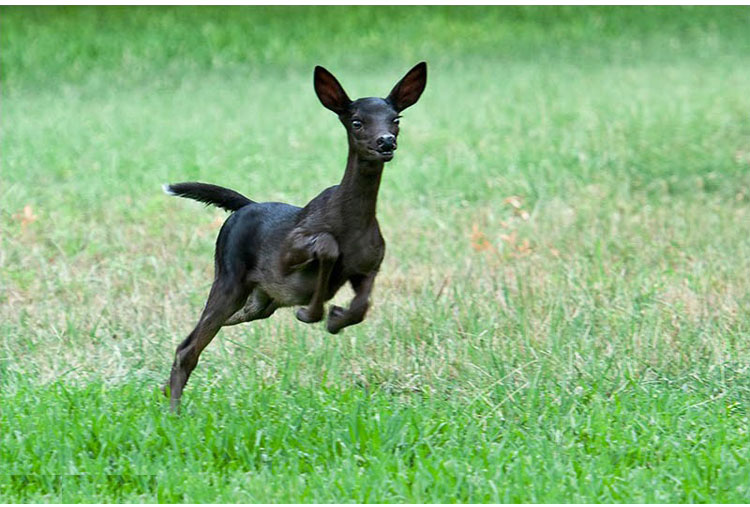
(387, 142)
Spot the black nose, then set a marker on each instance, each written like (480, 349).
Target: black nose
(387, 142)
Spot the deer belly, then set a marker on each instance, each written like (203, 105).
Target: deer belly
(298, 288)
(294, 289)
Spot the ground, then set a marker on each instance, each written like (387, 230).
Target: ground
(562, 314)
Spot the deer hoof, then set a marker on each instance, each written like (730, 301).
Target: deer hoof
(336, 319)
(305, 315)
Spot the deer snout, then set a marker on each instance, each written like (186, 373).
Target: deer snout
(386, 142)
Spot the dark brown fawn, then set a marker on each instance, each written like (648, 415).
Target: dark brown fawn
(271, 255)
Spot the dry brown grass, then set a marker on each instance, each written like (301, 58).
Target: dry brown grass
(635, 280)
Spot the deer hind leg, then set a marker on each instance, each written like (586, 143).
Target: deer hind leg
(259, 305)
(223, 301)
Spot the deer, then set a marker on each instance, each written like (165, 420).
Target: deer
(271, 255)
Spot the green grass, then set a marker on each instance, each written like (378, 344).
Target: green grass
(562, 315)
(258, 442)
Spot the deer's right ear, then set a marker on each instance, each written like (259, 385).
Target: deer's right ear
(330, 92)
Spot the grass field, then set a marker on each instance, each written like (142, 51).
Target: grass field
(563, 314)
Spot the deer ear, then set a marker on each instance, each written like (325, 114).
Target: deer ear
(329, 91)
(407, 91)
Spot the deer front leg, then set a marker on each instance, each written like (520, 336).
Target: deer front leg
(305, 249)
(338, 318)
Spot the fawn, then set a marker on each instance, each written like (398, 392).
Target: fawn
(271, 255)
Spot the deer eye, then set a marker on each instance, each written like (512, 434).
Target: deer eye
(396, 120)
(356, 124)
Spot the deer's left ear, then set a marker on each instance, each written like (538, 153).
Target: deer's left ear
(407, 91)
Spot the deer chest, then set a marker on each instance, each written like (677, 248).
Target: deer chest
(362, 254)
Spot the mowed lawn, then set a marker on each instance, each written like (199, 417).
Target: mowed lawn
(563, 314)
